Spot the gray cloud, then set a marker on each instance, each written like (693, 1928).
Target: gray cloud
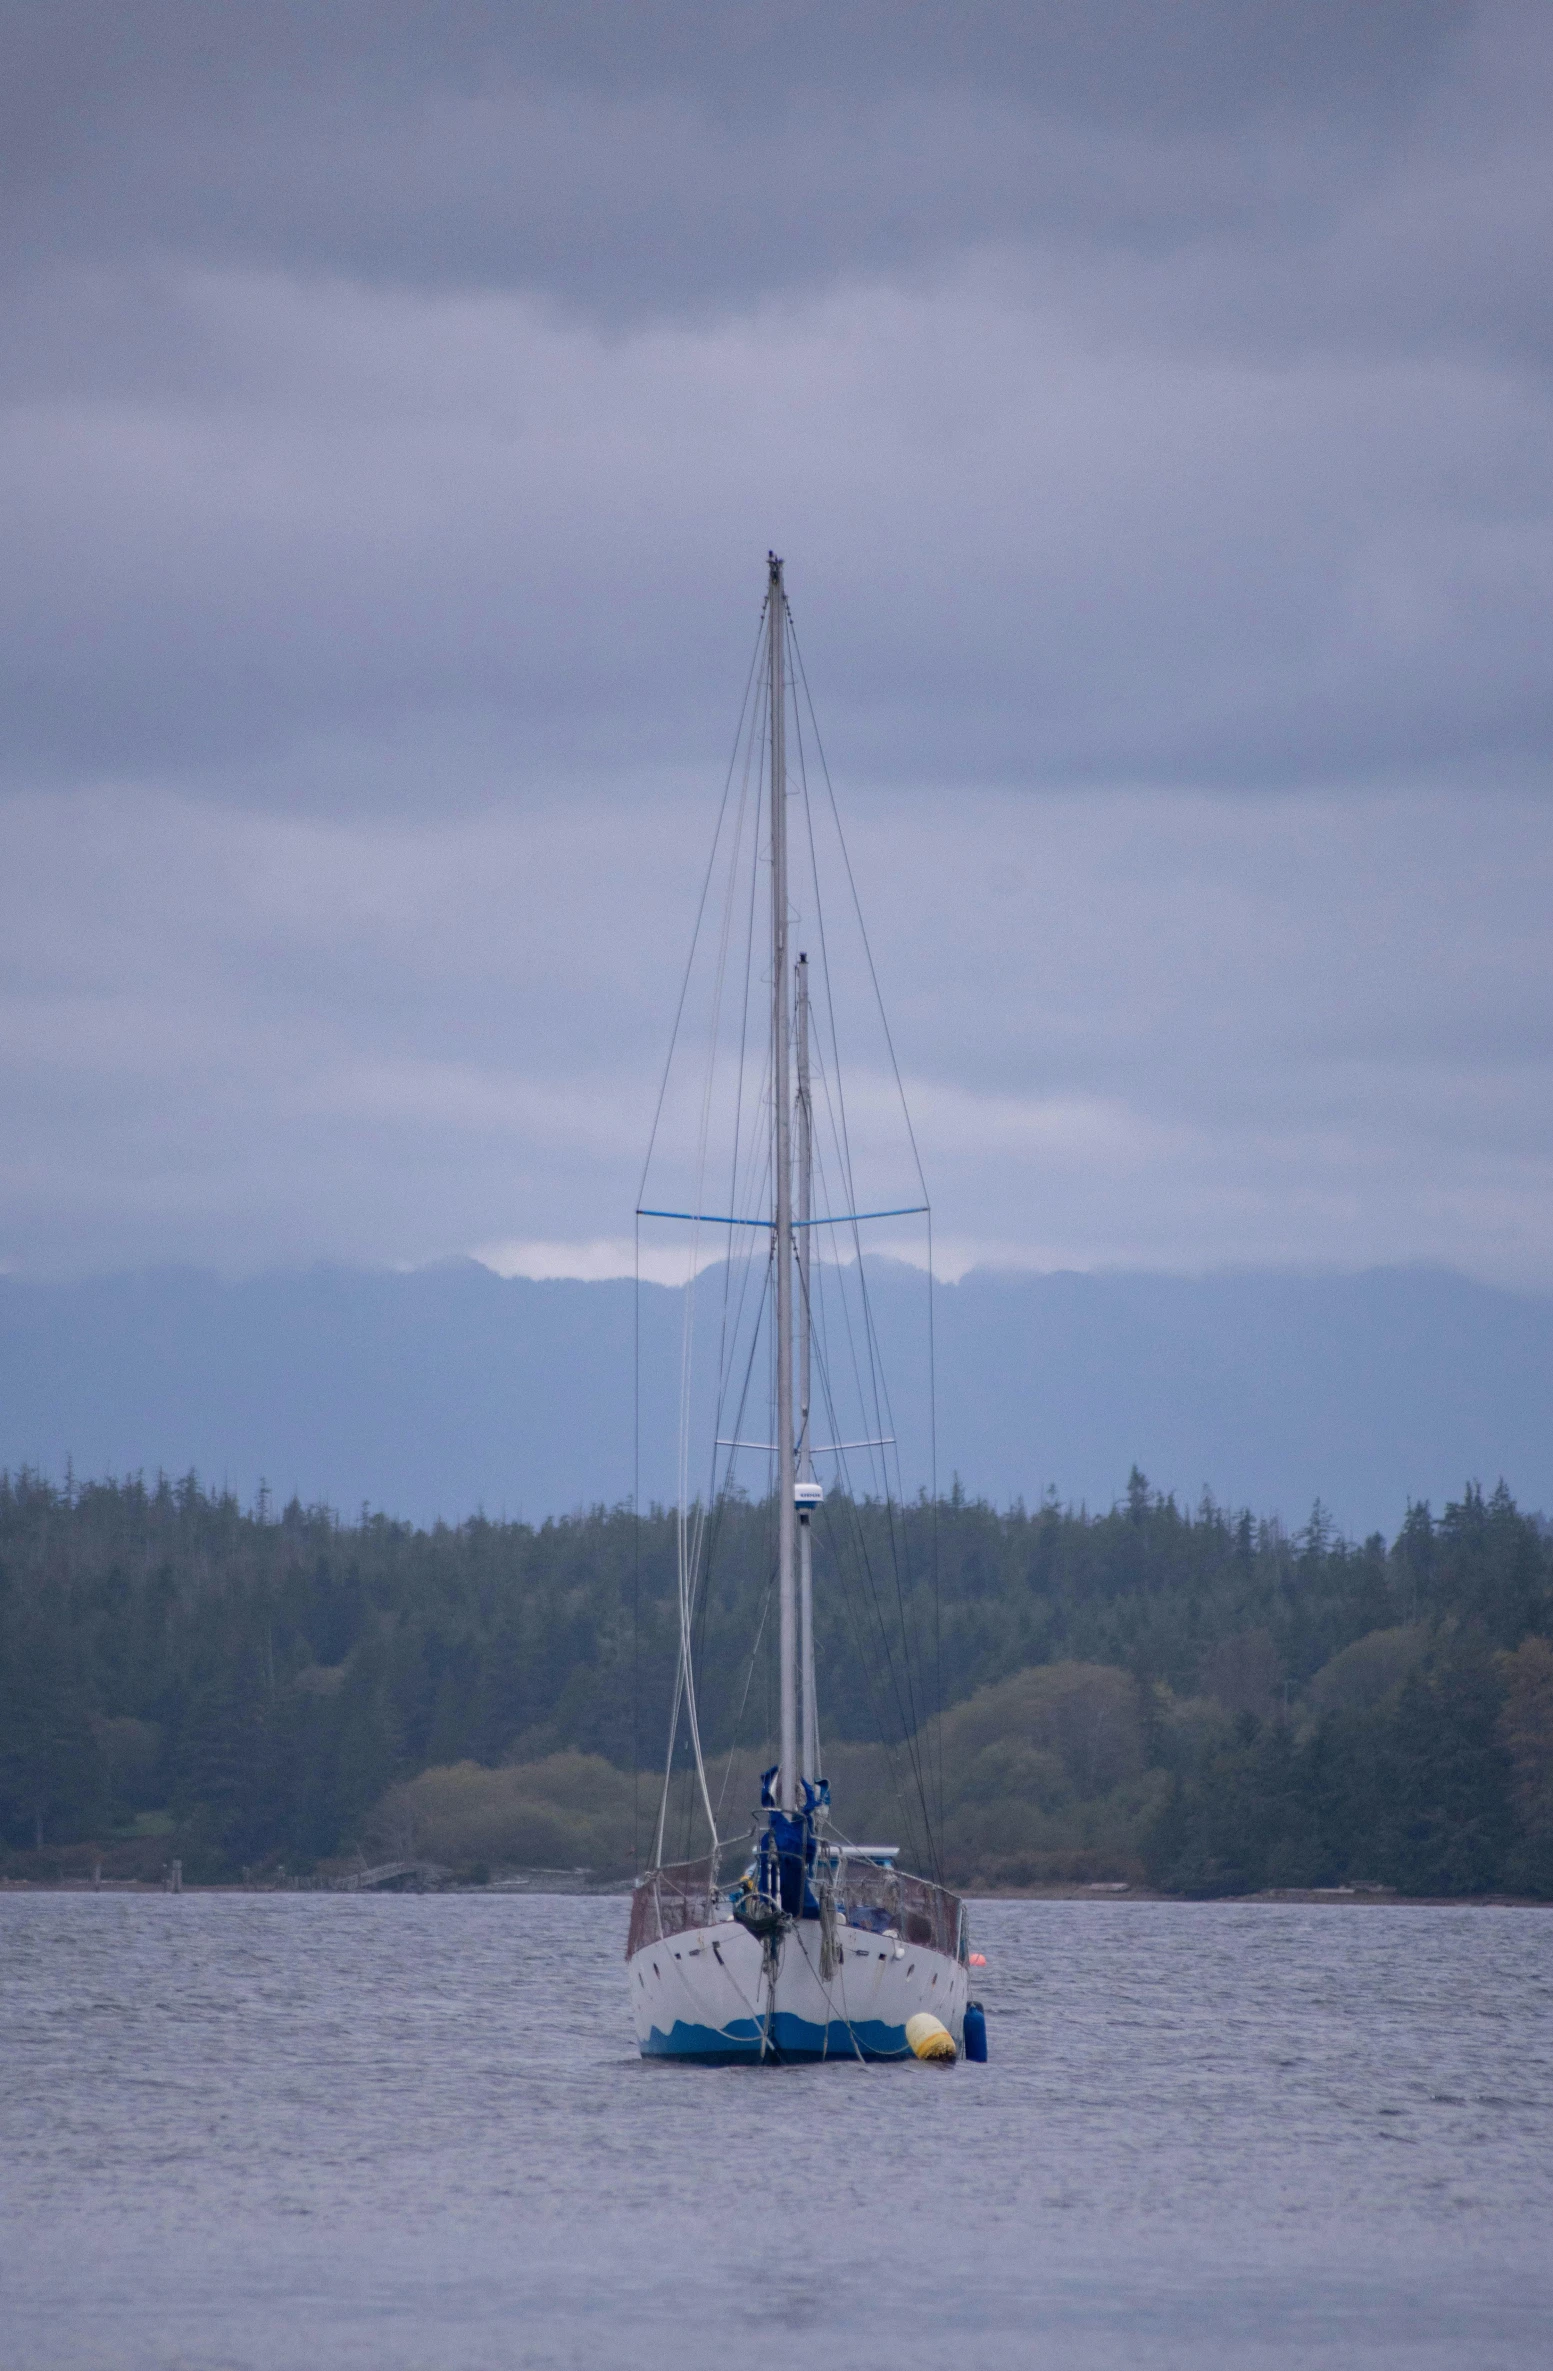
(1182, 372)
(1154, 407)
(643, 155)
(1160, 1029)
(1302, 170)
(1022, 556)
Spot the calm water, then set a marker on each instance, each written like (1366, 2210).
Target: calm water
(311, 2131)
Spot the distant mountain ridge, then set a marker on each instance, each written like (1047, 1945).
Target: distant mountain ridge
(450, 1388)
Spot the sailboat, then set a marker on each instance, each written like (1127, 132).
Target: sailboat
(787, 1942)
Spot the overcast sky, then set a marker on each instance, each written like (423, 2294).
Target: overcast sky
(1152, 404)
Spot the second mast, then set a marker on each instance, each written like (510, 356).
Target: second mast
(783, 1164)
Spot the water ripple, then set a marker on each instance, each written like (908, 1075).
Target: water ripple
(305, 2131)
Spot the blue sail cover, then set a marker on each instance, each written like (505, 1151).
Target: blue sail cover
(787, 1848)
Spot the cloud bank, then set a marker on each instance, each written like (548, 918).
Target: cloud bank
(1153, 407)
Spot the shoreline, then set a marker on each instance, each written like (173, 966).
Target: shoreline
(1320, 1897)
(1333, 1897)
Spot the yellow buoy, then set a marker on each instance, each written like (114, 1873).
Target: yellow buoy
(929, 2037)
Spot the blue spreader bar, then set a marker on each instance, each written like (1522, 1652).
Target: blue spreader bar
(844, 1218)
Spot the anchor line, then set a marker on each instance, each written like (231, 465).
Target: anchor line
(829, 2000)
(770, 1959)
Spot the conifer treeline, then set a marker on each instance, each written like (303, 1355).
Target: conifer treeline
(249, 1685)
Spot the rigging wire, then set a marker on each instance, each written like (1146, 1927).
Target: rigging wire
(932, 1424)
(883, 1417)
(641, 1194)
(801, 677)
(721, 1499)
(691, 1526)
(749, 1674)
(636, 1552)
(857, 909)
(701, 1523)
(910, 1727)
(908, 1720)
(704, 1557)
(738, 1122)
(711, 863)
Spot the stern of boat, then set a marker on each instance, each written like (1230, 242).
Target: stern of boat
(841, 1984)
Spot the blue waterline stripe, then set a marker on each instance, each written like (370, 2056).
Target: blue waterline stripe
(792, 2037)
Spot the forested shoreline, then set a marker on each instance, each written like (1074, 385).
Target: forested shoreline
(1194, 1698)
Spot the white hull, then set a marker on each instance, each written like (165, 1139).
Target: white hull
(711, 1993)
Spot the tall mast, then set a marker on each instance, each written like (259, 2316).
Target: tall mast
(805, 1117)
(776, 626)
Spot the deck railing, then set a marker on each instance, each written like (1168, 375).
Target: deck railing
(885, 1900)
(873, 1895)
(667, 1901)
